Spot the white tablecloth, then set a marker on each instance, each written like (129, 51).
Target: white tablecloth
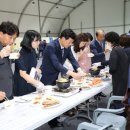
(24, 116)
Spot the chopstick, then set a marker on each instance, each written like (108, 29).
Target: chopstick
(6, 98)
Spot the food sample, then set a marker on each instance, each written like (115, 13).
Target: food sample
(37, 100)
(62, 80)
(50, 101)
(95, 81)
(94, 68)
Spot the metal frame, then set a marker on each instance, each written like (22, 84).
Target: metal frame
(94, 20)
(11, 12)
(102, 27)
(21, 15)
(57, 3)
(124, 15)
(39, 16)
(42, 33)
(44, 21)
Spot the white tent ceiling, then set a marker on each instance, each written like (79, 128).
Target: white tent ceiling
(41, 15)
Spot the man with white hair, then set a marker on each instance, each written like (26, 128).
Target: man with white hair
(98, 47)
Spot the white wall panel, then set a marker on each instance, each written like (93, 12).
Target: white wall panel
(127, 29)
(12, 5)
(32, 8)
(66, 24)
(128, 12)
(72, 3)
(53, 25)
(59, 12)
(45, 7)
(9, 17)
(108, 12)
(108, 16)
(88, 30)
(84, 14)
(29, 22)
(77, 31)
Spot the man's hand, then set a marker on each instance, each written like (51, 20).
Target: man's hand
(76, 76)
(106, 50)
(38, 70)
(81, 73)
(5, 51)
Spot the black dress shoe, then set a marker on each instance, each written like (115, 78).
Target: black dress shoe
(71, 112)
(102, 94)
(55, 123)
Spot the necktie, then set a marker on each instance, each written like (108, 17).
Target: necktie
(101, 44)
(62, 50)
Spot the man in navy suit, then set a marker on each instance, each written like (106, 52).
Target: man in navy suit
(54, 57)
(98, 47)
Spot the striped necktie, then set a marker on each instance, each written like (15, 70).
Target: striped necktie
(62, 50)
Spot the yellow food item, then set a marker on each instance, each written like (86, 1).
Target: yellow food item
(94, 68)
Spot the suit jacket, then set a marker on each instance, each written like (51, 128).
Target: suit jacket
(53, 62)
(98, 51)
(6, 76)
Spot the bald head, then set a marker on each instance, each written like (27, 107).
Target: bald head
(100, 35)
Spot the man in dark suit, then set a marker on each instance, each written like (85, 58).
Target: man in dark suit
(98, 47)
(42, 46)
(55, 55)
(8, 34)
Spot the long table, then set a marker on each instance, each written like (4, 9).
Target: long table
(24, 116)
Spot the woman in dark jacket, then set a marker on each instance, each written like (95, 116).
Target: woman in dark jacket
(118, 64)
(23, 82)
